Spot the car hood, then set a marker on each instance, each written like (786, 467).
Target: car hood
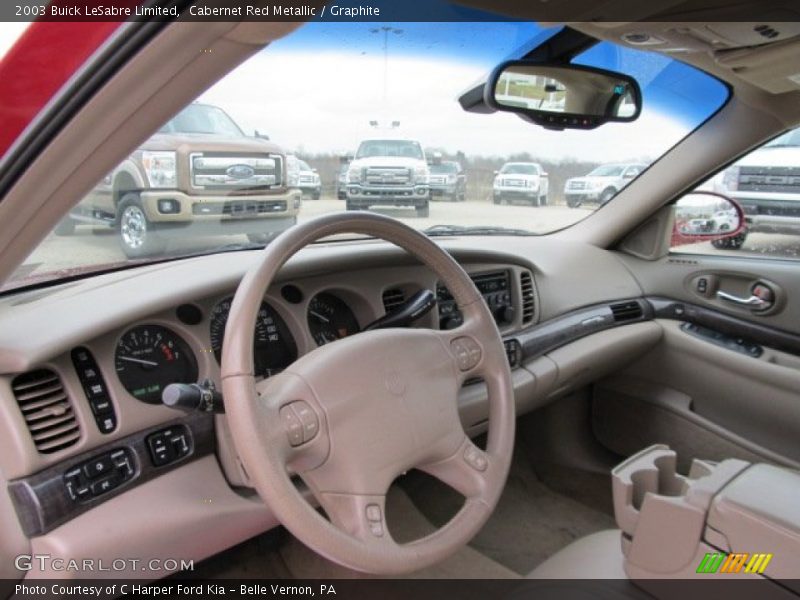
(516, 176)
(782, 156)
(593, 178)
(188, 142)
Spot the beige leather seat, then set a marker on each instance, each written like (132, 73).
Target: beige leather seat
(596, 556)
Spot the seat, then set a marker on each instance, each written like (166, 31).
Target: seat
(596, 556)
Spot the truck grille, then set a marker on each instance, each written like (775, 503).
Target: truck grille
(221, 172)
(769, 179)
(239, 208)
(513, 182)
(577, 185)
(438, 180)
(387, 176)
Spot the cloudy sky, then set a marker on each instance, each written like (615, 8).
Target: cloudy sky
(317, 89)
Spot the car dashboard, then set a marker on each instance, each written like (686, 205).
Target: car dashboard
(84, 364)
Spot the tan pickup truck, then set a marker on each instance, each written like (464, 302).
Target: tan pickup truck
(199, 174)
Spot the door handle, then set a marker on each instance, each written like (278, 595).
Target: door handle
(753, 302)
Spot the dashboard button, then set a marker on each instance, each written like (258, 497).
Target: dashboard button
(291, 425)
(104, 485)
(98, 466)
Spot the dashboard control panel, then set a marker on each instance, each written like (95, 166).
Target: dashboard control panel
(95, 389)
(169, 445)
(494, 286)
(100, 474)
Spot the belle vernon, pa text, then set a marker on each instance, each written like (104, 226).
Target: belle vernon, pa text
(175, 590)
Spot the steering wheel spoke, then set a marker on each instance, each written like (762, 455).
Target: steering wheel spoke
(361, 516)
(468, 470)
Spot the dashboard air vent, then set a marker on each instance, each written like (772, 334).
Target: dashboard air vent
(46, 409)
(626, 311)
(528, 298)
(392, 299)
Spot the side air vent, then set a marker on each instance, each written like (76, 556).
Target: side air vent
(626, 311)
(46, 409)
(528, 298)
(392, 299)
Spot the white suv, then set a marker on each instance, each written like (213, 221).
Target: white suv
(601, 184)
(524, 181)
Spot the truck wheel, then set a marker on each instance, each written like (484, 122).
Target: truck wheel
(573, 202)
(316, 195)
(543, 199)
(535, 201)
(350, 206)
(731, 243)
(607, 195)
(136, 234)
(66, 226)
(496, 199)
(424, 211)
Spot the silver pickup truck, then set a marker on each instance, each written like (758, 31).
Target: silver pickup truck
(389, 172)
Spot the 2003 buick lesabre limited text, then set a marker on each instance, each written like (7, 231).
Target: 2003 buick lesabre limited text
(209, 589)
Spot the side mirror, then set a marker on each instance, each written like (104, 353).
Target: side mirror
(706, 216)
(495, 172)
(563, 96)
(261, 136)
(543, 174)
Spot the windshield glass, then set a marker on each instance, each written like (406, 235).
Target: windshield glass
(519, 169)
(791, 138)
(607, 171)
(345, 97)
(445, 167)
(389, 148)
(202, 119)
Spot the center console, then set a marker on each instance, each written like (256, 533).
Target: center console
(728, 519)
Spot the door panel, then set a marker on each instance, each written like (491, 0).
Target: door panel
(726, 386)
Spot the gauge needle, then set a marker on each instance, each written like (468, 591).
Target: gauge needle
(319, 316)
(149, 363)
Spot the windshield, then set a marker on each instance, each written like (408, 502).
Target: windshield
(446, 167)
(791, 138)
(373, 107)
(519, 169)
(607, 171)
(202, 119)
(393, 148)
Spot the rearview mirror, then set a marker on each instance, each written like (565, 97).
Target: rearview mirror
(703, 216)
(563, 96)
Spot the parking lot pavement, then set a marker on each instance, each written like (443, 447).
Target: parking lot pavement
(97, 246)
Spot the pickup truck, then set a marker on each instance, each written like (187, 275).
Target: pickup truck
(389, 172)
(766, 183)
(521, 181)
(448, 181)
(601, 184)
(199, 174)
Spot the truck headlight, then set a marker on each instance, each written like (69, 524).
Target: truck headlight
(354, 175)
(451, 179)
(421, 174)
(160, 168)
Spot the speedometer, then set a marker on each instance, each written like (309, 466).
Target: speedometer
(330, 319)
(274, 348)
(150, 357)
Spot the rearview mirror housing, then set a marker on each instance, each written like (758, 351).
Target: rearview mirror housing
(563, 96)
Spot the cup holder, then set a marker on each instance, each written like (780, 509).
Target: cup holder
(653, 470)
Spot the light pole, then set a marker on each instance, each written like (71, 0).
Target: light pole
(386, 31)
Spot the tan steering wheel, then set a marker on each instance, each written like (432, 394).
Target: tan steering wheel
(351, 416)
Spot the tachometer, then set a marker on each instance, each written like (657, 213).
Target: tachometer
(274, 348)
(330, 319)
(150, 357)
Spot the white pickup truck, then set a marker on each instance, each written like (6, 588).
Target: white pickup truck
(389, 172)
(766, 183)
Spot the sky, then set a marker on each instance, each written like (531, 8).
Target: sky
(317, 89)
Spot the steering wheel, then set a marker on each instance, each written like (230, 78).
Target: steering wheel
(349, 417)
